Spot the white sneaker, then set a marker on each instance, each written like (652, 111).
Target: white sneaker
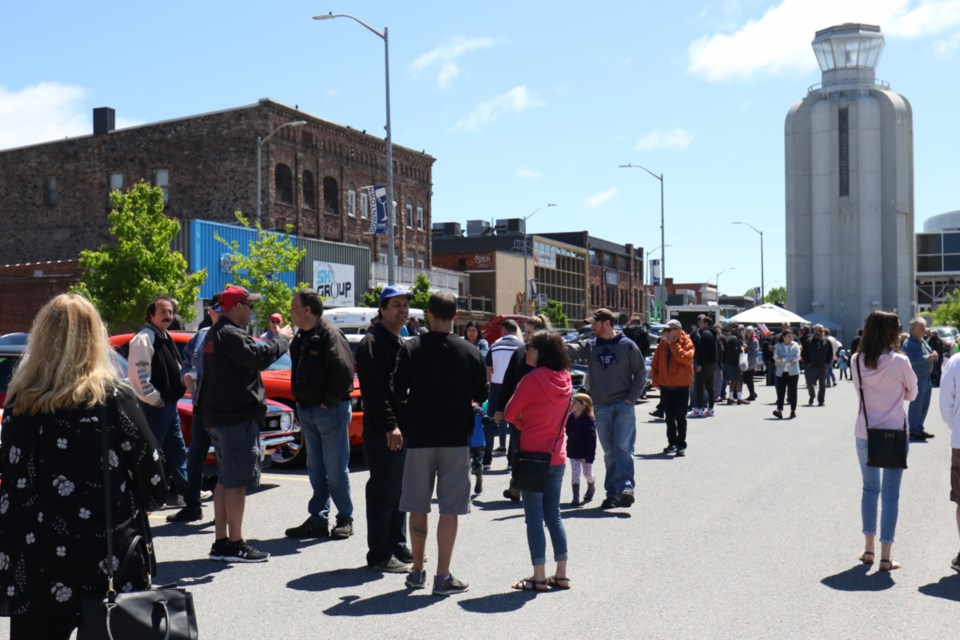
(708, 413)
(695, 414)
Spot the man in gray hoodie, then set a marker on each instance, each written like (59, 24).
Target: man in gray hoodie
(616, 378)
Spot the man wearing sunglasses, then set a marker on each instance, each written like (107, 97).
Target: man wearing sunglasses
(231, 401)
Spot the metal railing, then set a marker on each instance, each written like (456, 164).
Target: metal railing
(449, 280)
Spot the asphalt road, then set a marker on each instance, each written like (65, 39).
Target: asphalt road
(754, 534)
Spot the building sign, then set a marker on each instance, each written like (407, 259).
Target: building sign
(611, 277)
(756, 295)
(655, 273)
(334, 283)
(544, 258)
(377, 199)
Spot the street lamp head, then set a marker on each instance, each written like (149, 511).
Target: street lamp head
(328, 16)
(297, 123)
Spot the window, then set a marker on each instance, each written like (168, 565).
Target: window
(114, 183)
(331, 196)
(844, 151)
(309, 190)
(408, 262)
(50, 191)
(421, 261)
(161, 178)
(364, 205)
(283, 184)
(352, 203)
(420, 218)
(410, 216)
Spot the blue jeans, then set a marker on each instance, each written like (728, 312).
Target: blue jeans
(917, 412)
(883, 484)
(327, 434)
(541, 509)
(196, 458)
(165, 424)
(617, 432)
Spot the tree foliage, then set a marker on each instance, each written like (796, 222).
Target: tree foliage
(420, 291)
(777, 295)
(123, 277)
(554, 312)
(948, 313)
(259, 268)
(371, 297)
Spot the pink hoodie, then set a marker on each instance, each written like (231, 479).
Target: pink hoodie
(885, 389)
(539, 410)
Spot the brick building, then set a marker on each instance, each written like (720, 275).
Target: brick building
(54, 196)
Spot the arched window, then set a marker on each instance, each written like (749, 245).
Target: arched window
(309, 190)
(284, 184)
(331, 196)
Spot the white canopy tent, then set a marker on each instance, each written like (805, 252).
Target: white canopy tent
(769, 314)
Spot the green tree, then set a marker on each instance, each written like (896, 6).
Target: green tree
(948, 313)
(259, 267)
(554, 312)
(371, 297)
(123, 277)
(420, 291)
(777, 295)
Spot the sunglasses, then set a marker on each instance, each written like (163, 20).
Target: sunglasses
(248, 305)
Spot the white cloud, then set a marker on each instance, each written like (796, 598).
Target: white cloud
(948, 46)
(445, 57)
(526, 173)
(599, 199)
(676, 139)
(513, 101)
(332, 93)
(780, 40)
(45, 112)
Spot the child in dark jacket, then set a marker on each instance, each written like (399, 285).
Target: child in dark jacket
(581, 445)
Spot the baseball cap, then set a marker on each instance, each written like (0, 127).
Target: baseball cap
(393, 291)
(232, 296)
(602, 314)
(276, 317)
(215, 300)
(673, 324)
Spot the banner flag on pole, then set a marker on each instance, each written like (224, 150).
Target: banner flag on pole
(377, 197)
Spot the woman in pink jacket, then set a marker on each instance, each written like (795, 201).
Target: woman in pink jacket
(884, 380)
(539, 409)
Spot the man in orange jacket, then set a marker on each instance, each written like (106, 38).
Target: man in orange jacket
(672, 372)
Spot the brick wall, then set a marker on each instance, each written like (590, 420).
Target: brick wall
(25, 288)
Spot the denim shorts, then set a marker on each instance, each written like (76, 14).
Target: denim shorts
(449, 468)
(238, 454)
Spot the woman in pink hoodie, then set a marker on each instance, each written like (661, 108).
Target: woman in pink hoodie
(539, 410)
(884, 380)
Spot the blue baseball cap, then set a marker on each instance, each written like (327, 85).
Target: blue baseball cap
(393, 291)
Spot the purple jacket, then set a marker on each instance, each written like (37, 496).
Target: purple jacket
(581, 437)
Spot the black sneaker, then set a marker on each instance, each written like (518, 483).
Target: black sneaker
(416, 579)
(681, 452)
(955, 565)
(309, 529)
(404, 554)
(511, 494)
(241, 551)
(478, 485)
(657, 413)
(778, 413)
(218, 549)
(187, 514)
(392, 565)
(626, 498)
(610, 503)
(343, 530)
(670, 449)
(448, 586)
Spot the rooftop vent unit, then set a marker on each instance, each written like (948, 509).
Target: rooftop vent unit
(445, 230)
(478, 228)
(511, 227)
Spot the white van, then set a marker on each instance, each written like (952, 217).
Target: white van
(356, 320)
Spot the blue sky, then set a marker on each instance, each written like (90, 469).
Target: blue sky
(522, 103)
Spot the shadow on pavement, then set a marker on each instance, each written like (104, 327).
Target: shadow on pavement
(947, 588)
(288, 546)
(653, 456)
(335, 579)
(858, 578)
(188, 573)
(183, 529)
(597, 512)
(386, 604)
(499, 602)
(496, 505)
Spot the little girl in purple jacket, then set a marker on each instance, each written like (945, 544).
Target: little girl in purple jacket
(581, 445)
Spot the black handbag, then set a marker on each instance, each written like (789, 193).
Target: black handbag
(159, 612)
(886, 448)
(531, 468)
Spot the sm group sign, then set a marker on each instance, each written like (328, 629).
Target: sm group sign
(334, 283)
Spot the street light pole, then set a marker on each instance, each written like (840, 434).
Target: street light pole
(391, 213)
(260, 143)
(526, 282)
(663, 240)
(717, 281)
(763, 290)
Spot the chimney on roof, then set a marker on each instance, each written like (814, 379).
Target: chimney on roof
(103, 120)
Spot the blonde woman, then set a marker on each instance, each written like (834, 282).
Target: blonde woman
(52, 515)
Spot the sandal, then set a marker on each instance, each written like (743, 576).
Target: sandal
(867, 557)
(891, 565)
(529, 584)
(560, 583)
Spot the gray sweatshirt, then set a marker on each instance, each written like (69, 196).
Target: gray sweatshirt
(615, 367)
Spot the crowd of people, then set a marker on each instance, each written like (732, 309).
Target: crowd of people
(422, 430)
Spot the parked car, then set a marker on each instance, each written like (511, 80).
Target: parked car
(949, 336)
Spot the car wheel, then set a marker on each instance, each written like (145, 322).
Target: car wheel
(292, 455)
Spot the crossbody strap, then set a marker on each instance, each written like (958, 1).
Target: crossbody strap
(563, 425)
(108, 507)
(863, 405)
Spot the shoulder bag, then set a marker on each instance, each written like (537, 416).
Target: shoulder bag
(159, 612)
(531, 468)
(886, 448)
